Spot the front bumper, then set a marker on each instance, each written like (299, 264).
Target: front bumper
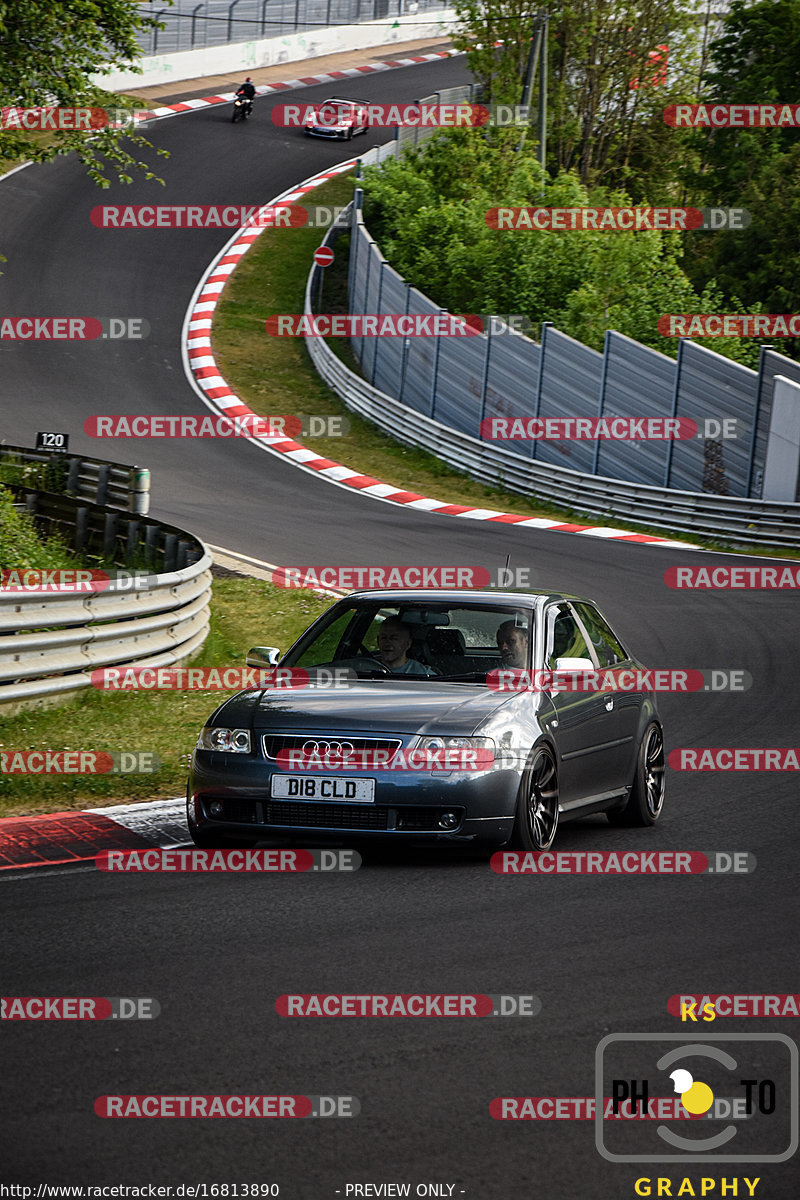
(326, 132)
(232, 794)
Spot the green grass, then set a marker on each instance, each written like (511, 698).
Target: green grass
(21, 546)
(244, 613)
(276, 376)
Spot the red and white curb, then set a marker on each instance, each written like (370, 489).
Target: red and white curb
(266, 89)
(67, 838)
(204, 376)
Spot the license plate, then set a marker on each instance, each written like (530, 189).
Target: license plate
(330, 788)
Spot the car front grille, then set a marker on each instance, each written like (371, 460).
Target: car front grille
(326, 816)
(274, 743)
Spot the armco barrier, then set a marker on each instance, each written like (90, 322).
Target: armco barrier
(91, 479)
(50, 644)
(734, 520)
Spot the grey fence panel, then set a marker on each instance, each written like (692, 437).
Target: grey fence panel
(388, 355)
(361, 249)
(639, 382)
(372, 293)
(421, 360)
(716, 387)
(772, 364)
(570, 387)
(511, 378)
(460, 359)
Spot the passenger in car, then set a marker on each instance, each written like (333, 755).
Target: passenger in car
(512, 642)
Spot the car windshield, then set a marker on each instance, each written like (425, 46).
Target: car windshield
(332, 110)
(459, 641)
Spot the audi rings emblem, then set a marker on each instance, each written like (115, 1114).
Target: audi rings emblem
(329, 749)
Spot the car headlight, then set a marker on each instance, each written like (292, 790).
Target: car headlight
(215, 737)
(456, 743)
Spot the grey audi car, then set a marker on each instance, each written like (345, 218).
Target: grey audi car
(438, 717)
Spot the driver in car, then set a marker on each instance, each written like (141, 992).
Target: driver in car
(394, 642)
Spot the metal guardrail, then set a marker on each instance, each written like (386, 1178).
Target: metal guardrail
(50, 644)
(109, 533)
(735, 520)
(91, 479)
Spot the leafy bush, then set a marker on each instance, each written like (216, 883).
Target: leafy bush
(427, 211)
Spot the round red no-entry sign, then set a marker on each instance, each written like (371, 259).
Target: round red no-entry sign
(323, 257)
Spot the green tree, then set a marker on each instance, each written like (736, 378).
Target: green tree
(49, 51)
(756, 59)
(498, 68)
(427, 211)
(615, 65)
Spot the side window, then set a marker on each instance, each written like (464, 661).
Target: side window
(609, 651)
(326, 646)
(564, 638)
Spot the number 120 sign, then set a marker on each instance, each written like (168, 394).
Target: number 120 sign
(52, 441)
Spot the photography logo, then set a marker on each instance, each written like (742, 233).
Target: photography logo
(738, 1097)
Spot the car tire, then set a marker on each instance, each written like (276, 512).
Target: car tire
(537, 804)
(646, 798)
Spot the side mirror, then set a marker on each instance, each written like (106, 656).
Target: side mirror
(263, 656)
(572, 664)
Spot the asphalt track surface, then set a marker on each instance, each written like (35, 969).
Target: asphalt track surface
(602, 953)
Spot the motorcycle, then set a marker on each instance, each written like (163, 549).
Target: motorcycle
(242, 109)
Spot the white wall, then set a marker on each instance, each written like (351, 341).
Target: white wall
(783, 446)
(245, 57)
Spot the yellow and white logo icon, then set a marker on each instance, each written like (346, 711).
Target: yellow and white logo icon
(696, 1098)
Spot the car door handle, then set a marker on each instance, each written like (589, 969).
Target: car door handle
(609, 703)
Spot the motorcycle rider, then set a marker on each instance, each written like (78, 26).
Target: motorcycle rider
(248, 91)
